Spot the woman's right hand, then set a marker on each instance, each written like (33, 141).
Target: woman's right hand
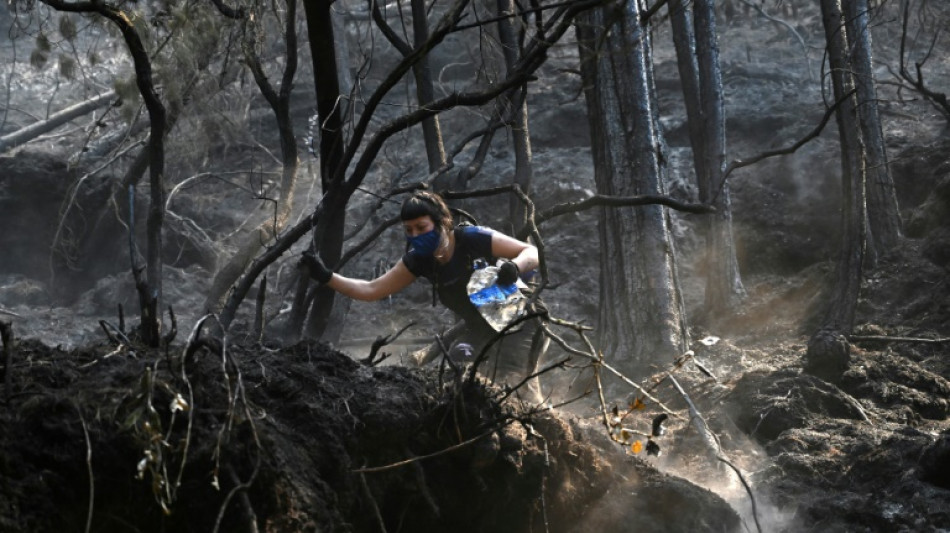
(315, 267)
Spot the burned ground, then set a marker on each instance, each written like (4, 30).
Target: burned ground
(302, 439)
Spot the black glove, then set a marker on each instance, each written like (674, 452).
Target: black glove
(315, 266)
(507, 273)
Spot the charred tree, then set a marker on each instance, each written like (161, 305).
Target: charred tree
(328, 242)
(697, 50)
(825, 357)
(641, 315)
(883, 213)
(279, 100)
(422, 72)
(150, 287)
(723, 285)
(517, 103)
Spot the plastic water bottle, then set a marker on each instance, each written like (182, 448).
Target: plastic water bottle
(498, 305)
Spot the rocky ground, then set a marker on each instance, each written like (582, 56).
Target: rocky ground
(324, 442)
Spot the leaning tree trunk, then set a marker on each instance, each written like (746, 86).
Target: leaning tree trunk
(723, 285)
(883, 212)
(24, 135)
(280, 103)
(641, 317)
(827, 354)
(517, 102)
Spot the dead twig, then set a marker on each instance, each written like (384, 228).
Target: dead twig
(239, 393)
(381, 341)
(173, 332)
(366, 470)
(599, 362)
(190, 348)
(748, 489)
(372, 502)
(9, 346)
(709, 438)
(119, 338)
(8, 312)
(552, 366)
(92, 479)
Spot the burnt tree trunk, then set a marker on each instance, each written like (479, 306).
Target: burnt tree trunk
(431, 131)
(883, 212)
(641, 316)
(723, 285)
(517, 102)
(697, 52)
(330, 242)
(825, 356)
(149, 287)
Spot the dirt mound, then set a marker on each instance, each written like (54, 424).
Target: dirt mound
(304, 438)
(865, 454)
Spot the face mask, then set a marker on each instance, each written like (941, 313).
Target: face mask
(424, 244)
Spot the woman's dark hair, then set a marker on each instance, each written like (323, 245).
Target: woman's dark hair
(424, 203)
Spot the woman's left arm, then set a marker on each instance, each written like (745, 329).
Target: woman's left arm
(523, 254)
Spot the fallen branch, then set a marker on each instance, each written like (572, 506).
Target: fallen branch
(887, 338)
(55, 120)
(710, 440)
(598, 362)
(11, 313)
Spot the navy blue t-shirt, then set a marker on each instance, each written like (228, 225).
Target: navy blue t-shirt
(450, 279)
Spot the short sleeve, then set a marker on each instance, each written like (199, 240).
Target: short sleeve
(418, 266)
(479, 239)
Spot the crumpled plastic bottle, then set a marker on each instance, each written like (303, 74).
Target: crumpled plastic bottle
(498, 305)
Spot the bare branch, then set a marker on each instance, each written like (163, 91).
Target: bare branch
(739, 163)
(601, 200)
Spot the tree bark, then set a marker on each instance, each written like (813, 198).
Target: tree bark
(684, 41)
(641, 317)
(883, 212)
(724, 288)
(847, 282)
(329, 243)
(431, 131)
(518, 103)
